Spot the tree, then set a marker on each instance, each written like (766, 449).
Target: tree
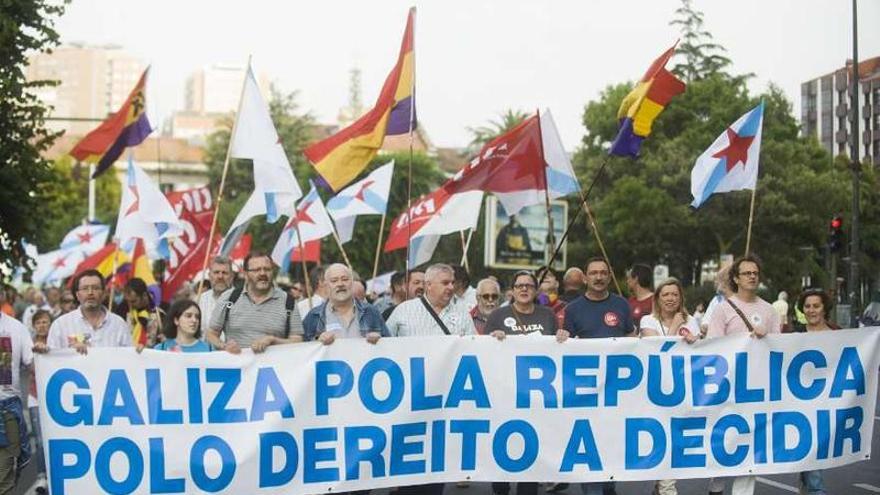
(64, 205)
(642, 205)
(26, 26)
(483, 134)
(702, 56)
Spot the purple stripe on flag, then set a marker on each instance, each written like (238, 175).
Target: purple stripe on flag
(627, 143)
(132, 135)
(399, 120)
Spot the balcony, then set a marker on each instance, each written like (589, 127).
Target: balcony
(866, 136)
(840, 136)
(866, 111)
(842, 110)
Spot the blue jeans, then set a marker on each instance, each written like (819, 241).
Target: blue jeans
(812, 481)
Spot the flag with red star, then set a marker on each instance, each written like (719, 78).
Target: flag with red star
(368, 196)
(310, 219)
(144, 213)
(731, 163)
(86, 238)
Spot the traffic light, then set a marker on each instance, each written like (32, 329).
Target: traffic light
(835, 234)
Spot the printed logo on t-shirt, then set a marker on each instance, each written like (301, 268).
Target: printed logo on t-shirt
(611, 319)
(756, 319)
(637, 311)
(509, 322)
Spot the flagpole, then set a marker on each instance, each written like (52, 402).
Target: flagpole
(341, 249)
(112, 278)
(550, 230)
(751, 217)
(467, 246)
(222, 183)
(91, 192)
(574, 218)
(302, 259)
(595, 229)
(464, 250)
(379, 244)
(412, 110)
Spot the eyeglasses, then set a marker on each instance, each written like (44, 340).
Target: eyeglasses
(749, 274)
(524, 286)
(489, 297)
(67, 300)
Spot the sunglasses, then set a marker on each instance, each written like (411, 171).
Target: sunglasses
(489, 297)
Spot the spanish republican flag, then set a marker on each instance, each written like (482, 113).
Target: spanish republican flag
(127, 127)
(643, 104)
(341, 157)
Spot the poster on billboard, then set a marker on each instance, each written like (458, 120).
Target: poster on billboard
(521, 241)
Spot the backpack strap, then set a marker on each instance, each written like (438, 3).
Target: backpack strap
(741, 315)
(233, 298)
(289, 308)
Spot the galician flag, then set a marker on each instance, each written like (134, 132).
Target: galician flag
(144, 213)
(312, 221)
(86, 239)
(731, 163)
(255, 138)
(368, 196)
(56, 265)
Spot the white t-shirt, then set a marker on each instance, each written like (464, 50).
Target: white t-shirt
(16, 350)
(303, 306)
(71, 327)
(650, 322)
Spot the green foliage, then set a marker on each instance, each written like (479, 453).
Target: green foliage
(702, 56)
(642, 206)
(26, 26)
(64, 205)
(483, 134)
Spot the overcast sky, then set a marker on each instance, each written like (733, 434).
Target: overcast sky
(474, 58)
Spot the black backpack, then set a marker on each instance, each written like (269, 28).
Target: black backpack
(289, 307)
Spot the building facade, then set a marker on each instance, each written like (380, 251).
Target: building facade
(826, 108)
(94, 81)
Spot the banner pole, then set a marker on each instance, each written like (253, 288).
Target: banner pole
(341, 249)
(222, 185)
(751, 218)
(379, 246)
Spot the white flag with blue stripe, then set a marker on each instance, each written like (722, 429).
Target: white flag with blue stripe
(731, 163)
(368, 196)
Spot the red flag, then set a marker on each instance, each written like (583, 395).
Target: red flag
(196, 200)
(187, 252)
(512, 166)
(313, 252)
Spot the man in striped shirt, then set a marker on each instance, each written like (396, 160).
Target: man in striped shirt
(414, 318)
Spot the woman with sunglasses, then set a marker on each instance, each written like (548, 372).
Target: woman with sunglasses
(522, 316)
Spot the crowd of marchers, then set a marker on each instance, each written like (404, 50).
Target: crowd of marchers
(254, 312)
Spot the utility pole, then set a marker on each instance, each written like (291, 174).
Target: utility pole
(853, 286)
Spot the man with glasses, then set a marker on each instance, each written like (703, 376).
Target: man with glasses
(488, 295)
(258, 315)
(91, 325)
(742, 313)
(68, 303)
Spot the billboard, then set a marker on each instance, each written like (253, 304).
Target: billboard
(521, 241)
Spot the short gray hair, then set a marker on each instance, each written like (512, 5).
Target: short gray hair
(222, 260)
(338, 265)
(488, 281)
(436, 268)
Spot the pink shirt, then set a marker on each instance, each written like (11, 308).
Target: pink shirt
(726, 321)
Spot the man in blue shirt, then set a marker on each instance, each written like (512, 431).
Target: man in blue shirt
(598, 314)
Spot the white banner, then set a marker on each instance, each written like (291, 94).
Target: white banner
(311, 419)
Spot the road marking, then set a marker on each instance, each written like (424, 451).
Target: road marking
(865, 486)
(776, 484)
